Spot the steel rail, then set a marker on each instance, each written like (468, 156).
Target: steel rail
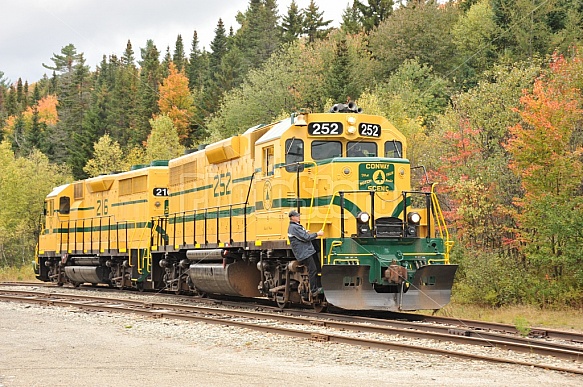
(183, 312)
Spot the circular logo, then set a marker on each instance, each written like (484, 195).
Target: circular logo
(379, 177)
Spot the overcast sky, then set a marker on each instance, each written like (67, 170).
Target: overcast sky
(32, 30)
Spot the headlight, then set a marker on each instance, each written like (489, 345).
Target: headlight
(363, 217)
(413, 218)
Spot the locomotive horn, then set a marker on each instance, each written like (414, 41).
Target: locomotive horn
(334, 109)
(359, 110)
(351, 106)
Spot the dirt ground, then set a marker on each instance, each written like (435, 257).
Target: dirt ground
(42, 346)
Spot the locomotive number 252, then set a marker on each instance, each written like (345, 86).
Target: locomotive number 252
(325, 128)
(369, 130)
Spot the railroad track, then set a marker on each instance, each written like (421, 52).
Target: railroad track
(351, 330)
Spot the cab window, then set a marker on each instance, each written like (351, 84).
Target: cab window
(361, 149)
(294, 153)
(393, 149)
(326, 149)
(268, 161)
(64, 205)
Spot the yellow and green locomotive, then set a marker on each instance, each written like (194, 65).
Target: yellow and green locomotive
(99, 230)
(224, 227)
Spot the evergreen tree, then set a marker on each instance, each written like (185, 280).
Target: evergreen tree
(73, 94)
(212, 92)
(36, 95)
(165, 63)
(150, 77)
(34, 136)
(11, 102)
(259, 35)
(351, 21)
(292, 23)
(4, 82)
(20, 94)
(340, 88)
(25, 94)
(522, 37)
(218, 48)
(179, 57)
(374, 13)
(314, 24)
(195, 67)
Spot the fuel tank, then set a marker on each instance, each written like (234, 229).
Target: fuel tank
(92, 274)
(234, 279)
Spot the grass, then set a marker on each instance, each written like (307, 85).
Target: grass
(523, 317)
(24, 273)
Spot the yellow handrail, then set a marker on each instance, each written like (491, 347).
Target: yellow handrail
(313, 192)
(440, 222)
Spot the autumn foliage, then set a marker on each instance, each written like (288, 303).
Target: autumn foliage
(546, 150)
(176, 101)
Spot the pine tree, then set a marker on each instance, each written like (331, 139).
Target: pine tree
(179, 57)
(20, 94)
(339, 88)
(212, 92)
(292, 23)
(150, 77)
(374, 13)
(218, 48)
(195, 67)
(72, 84)
(351, 23)
(314, 24)
(124, 103)
(4, 82)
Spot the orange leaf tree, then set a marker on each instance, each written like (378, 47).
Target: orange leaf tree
(177, 102)
(546, 150)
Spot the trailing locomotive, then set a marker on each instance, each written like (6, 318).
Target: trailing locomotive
(215, 221)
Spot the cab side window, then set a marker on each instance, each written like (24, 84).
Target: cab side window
(294, 153)
(268, 161)
(64, 205)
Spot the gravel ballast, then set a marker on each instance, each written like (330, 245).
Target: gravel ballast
(42, 346)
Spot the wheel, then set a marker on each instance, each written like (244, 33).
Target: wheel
(280, 301)
(320, 307)
(140, 286)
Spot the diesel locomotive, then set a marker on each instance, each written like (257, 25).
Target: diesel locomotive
(214, 221)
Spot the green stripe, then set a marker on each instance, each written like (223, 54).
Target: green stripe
(241, 179)
(80, 209)
(195, 189)
(129, 203)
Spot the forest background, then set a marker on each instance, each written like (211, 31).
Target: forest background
(488, 93)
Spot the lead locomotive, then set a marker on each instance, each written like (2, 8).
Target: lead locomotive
(214, 221)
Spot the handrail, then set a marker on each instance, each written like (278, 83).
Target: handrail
(441, 225)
